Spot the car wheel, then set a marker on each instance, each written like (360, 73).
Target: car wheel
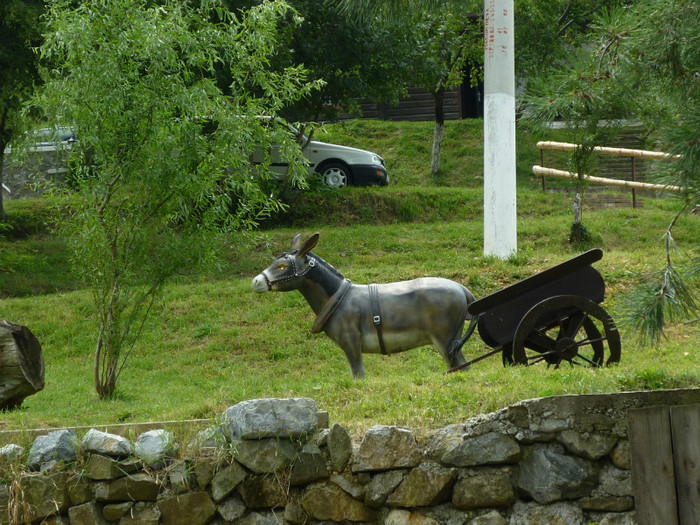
(336, 175)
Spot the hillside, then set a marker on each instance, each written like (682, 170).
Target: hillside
(213, 342)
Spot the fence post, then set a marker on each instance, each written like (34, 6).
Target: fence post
(634, 177)
(544, 185)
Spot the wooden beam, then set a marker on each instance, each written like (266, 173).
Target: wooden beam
(620, 152)
(602, 181)
(652, 466)
(685, 432)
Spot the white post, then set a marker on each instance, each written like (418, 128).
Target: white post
(500, 223)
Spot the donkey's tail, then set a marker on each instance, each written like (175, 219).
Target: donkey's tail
(458, 344)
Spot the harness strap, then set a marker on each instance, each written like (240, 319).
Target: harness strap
(376, 315)
(331, 306)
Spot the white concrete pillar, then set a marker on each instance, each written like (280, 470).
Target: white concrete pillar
(500, 223)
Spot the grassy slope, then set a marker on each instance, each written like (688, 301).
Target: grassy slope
(214, 343)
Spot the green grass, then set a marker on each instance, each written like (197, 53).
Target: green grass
(213, 342)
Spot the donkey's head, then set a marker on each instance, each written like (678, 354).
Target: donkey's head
(288, 270)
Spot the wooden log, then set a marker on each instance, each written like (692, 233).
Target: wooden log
(551, 172)
(620, 152)
(21, 365)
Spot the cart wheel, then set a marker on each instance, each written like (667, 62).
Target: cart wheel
(566, 328)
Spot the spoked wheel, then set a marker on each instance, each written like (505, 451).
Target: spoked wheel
(566, 328)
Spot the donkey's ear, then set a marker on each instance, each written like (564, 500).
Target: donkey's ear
(296, 243)
(309, 244)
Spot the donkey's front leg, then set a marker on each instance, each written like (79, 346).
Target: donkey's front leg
(351, 343)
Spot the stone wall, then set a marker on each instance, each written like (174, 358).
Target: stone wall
(558, 460)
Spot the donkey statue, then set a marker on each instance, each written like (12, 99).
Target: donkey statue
(375, 318)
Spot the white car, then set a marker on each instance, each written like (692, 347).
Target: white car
(339, 166)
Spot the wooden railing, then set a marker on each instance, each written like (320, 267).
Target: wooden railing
(621, 152)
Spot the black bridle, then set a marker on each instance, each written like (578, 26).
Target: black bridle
(311, 263)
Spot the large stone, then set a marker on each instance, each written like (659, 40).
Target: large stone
(226, 480)
(339, 447)
(260, 518)
(387, 447)
(114, 511)
(154, 446)
(555, 514)
(309, 466)
(405, 517)
(547, 474)
(447, 514)
(190, 508)
(490, 518)
(606, 503)
(10, 453)
(141, 513)
(102, 468)
(588, 445)
(106, 444)
(265, 456)
(203, 468)
(615, 482)
(60, 445)
(42, 495)
(86, 514)
(483, 491)
(327, 501)
(135, 487)
(295, 514)
(270, 418)
(179, 476)
(490, 448)
(627, 518)
(206, 440)
(79, 489)
(355, 485)
(427, 484)
(263, 492)
(620, 455)
(382, 485)
(231, 509)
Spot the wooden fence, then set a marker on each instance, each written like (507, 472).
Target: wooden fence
(665, 457)
(604, 181)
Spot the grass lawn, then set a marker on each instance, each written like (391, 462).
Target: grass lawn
(213, 342)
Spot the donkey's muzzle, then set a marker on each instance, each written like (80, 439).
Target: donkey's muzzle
(260, 283)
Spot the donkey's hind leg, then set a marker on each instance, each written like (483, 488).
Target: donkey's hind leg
(450, 347)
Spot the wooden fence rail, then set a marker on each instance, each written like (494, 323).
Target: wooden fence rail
(620, 152)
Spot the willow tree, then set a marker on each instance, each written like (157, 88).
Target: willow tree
(164, 162)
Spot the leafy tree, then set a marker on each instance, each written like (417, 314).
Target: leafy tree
(447, 38)
(353, 59)
(446, 45)
(165, 158)
(643, 63)
(549, 33)
(20, 33)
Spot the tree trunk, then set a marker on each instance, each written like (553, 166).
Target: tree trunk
(21, 365)
(439, 96)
